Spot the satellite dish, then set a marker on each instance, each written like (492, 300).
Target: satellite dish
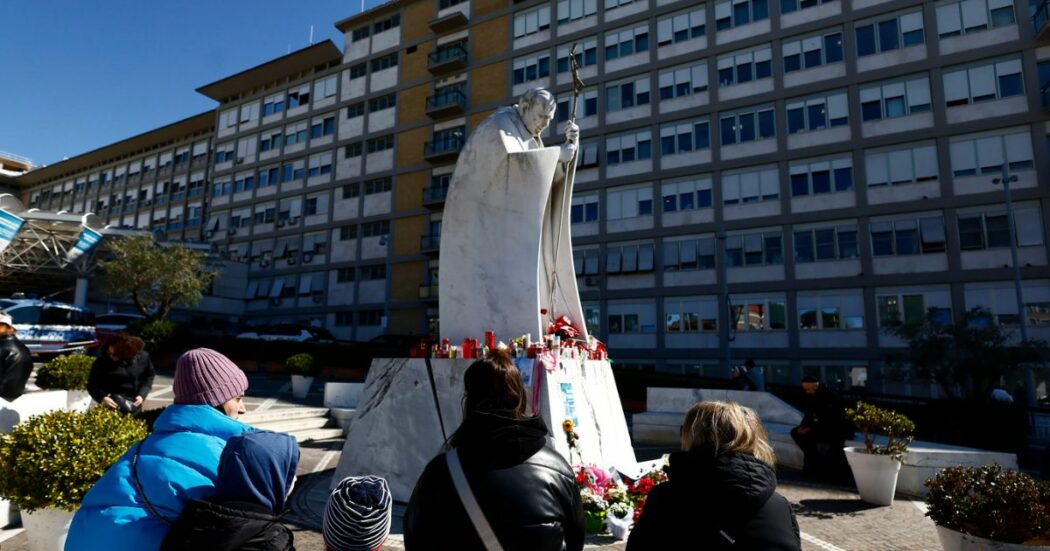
(93, 221)
(10, 203)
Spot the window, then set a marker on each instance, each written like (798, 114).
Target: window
(571, 10)
(629, 202)
(688, 194)
(375, 229)
(906, 164)
(586, 55)
(223, 153)
(691, 315)
(818, 113)
(345, 275)
(632, 146)
(386, 24)
(228, 119)
(830, 312)
(382, 102)
(299, 96)
(222, 188)
(908, 236)
(373, 272)
(967, 16)
(385, 62)
(907, 308)
(758, 313)
(986, 82)
(990, 228)
(358, 71)
(748, 125)
(975, 154)
(742, 67)
(625, 42)
(627, 94)
(684, 255)
(826, 243)
(273, 105)
(381, 143)
(244, 182)
(351, 190)
(320, 164)
(683, 80)
(788, 6)
(632, 318)
(360, 33)
(355, 110)
(729, 14)
(682, 26)
(532, 21)
(269, 176)
(750, 185)
(685, 136)
(584, 208)
(889, 100)
(527, 69)
(821, 176)
(885, 35)
(322, 127)
(347, 233)
(370, 318)
(1000, 300)
(587, 107)
(270, 140)
(812, 51)
(755, 249)
(352, 150)
(249, 112)
(325, 88)
(585, 261)
(378, 185)
(295, 133)
(629, 259)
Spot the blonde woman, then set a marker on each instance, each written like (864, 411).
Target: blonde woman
(721, 488)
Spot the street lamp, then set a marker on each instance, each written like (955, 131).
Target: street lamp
(1005, 180)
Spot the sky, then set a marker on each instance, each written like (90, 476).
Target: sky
(76, 75)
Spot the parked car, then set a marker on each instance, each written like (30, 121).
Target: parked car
(107, 325)
(288, 332)
(51, 328)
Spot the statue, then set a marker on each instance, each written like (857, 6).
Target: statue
(506, 252)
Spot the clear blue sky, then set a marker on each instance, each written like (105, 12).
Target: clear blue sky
(76, 75)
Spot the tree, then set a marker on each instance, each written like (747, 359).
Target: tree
(967, 358)
(155, 276)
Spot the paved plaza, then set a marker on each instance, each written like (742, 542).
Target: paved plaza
(831, 518)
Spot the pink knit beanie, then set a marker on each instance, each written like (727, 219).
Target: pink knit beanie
(204, 376)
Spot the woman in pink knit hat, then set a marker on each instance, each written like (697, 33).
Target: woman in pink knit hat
(140, 495)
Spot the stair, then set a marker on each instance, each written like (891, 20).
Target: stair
(304, 423)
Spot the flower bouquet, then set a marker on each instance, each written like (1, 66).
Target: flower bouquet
(606, 501)
(638, 490)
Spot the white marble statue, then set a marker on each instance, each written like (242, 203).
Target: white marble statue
(506, 253)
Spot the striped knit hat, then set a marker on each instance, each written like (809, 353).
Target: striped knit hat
(357, 517)
(204, 376)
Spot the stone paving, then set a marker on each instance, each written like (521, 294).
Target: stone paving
(831, 518)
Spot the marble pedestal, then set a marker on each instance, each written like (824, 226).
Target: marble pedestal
(395, 431)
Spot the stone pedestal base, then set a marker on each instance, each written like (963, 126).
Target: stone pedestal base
(395, 431)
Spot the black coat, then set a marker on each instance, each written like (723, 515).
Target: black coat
(525, 488)
(128, 378)
(16, 363)
(826, 417)
(725, 502)
(216, 525)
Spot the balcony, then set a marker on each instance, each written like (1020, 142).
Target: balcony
(430, 244)
(446, 103)
(1041, 20)
(428, 292)
(447, 59)
(443, 148)
(434, 196)
(450, 22)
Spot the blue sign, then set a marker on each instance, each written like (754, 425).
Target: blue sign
(9, 226)
(87, 241)
(570, 403)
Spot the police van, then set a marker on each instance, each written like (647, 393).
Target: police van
(49, 328)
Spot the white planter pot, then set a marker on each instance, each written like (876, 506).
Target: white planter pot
(952, 540)
(876, 475)
(301, 386)
(78, 400)
(620, 528)
(47, 528)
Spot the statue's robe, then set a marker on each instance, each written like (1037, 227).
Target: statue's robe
(506, 249)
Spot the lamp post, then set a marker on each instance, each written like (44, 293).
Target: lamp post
(727, 344)
(1005, 180)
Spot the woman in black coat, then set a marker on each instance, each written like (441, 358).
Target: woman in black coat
(16, 363)
(122, 374)
(721, 490)
(524, 488)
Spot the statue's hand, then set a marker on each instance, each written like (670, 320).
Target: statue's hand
(572, 133)
(567, 152)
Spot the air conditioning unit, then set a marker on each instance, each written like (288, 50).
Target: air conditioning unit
(231, 231)
(293, 221)
(264, 263)
(240, 160)
(307, 258)
(280, 223)
(208, 234)
(318, 298)
(291, 261)
(275, 301)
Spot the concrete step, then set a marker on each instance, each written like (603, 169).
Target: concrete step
(283, 414)
(294, 425)
(317, 434)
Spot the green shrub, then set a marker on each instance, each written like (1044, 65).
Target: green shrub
(159, 335)
(53, 459)
(873, 421)
(301, 364)
(65, 372)
(990, 502)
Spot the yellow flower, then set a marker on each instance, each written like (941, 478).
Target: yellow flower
(567, 426)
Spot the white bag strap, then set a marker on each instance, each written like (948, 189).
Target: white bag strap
(477, 518)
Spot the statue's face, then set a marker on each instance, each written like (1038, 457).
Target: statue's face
(537, 116)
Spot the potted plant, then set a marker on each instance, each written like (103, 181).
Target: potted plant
(302, 369)
(876, 466)
(49, 462)
(989, 507)
(69, 373)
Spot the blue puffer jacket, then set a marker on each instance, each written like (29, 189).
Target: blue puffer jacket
(177, 463)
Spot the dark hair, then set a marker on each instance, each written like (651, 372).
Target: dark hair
(125, 346)
(749, 363)
(810, 379)
(493, 384)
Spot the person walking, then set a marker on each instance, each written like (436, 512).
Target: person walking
(741, 377)
(122, 374)
(256, 476)
(822, 433)
(357, 515)
(140, 495)
(16, 362)
(500, 483)
(721, 489)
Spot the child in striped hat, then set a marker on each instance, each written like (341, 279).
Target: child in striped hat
(357, 517)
